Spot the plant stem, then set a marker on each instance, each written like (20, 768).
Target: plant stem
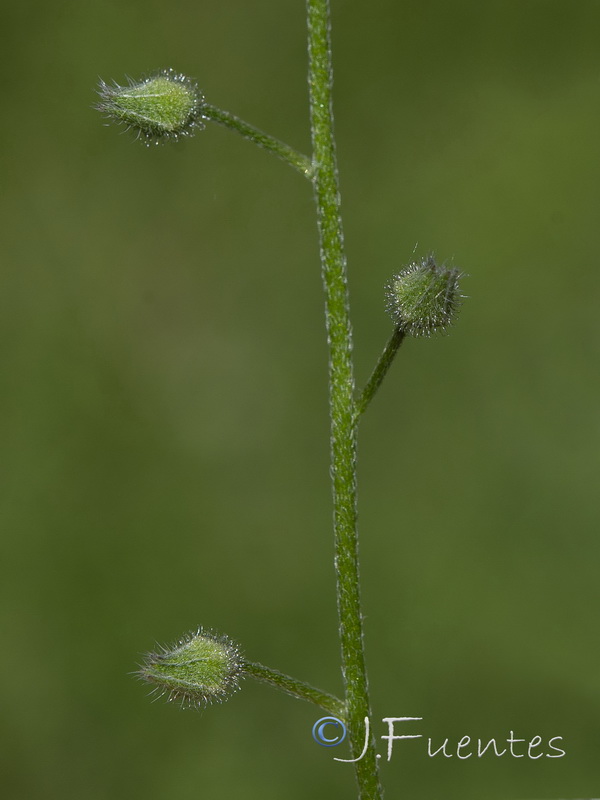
(297, 160)
(380, 371)
(296, 688)
(341, 392)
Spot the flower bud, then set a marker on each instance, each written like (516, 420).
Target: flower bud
(161, 107)
(202, 668)
(424, 298)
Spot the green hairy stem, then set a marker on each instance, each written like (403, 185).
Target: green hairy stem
(296, 688)
(341, 395)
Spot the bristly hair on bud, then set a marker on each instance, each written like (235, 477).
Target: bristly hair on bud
(162, 107)
(202, 668)
(424, 298)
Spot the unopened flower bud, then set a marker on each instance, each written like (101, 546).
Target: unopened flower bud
(424, 298)
(161, 107)
(202, 668)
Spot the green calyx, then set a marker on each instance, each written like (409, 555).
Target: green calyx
(162, 107)
(202, 668)
(424, 298)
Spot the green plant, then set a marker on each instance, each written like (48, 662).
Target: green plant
(422, 298)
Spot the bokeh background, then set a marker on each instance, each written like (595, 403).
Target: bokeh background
(163, 397)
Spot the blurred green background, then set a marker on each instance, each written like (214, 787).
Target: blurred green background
(163, 406)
